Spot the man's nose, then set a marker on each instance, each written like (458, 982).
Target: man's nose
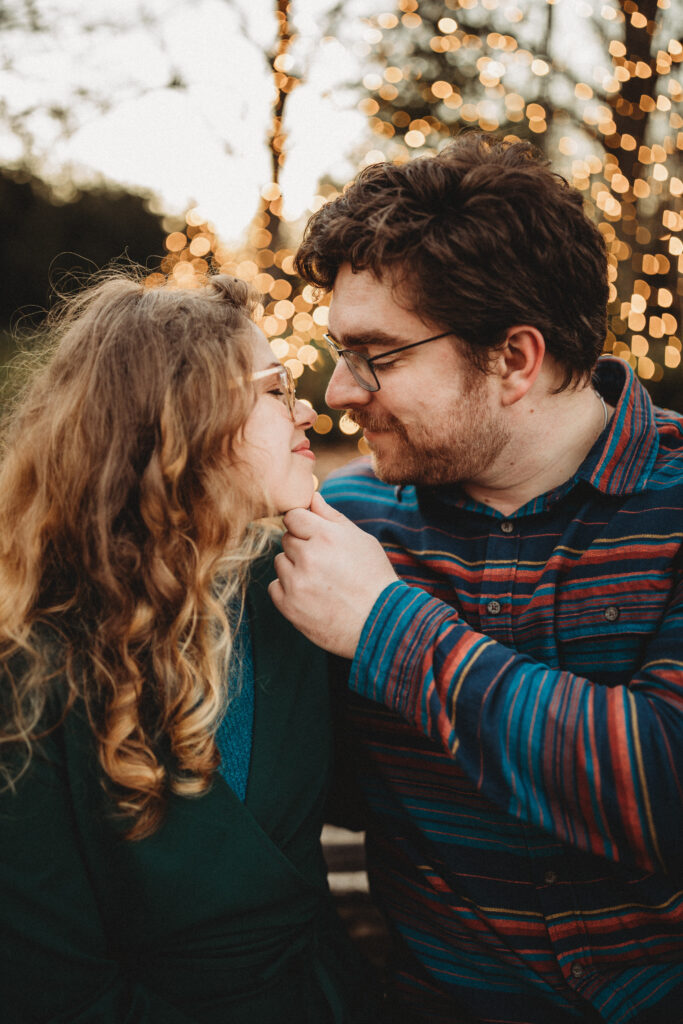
(344, 391)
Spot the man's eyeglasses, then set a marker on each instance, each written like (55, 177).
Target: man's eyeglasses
(361, 367)
(285, 383)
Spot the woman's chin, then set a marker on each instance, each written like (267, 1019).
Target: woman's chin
(300, 500)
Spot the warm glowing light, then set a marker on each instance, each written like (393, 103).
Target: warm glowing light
(176, 241)
(200, 245)
(307, 354)
(323, 424)
(415, 139)
(271, 191)
(347, 426)
(416, 95)
(372, 82)
(295, 366)
(672, 357)
(279, 347)
(441, 89)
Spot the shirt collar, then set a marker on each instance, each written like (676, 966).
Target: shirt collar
(621, 460)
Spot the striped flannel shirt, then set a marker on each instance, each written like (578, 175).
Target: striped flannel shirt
(519, 727)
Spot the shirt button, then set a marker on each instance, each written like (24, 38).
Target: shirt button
(550, 877)
(611, 613)
(493, 608)
(506, 526)
(577, 970)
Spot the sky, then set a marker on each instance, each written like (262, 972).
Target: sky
(107, 64)
(203, 144)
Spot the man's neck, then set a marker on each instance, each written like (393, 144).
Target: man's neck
(549, 440)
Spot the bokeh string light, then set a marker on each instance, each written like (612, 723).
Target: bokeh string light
(617, 137)
(615, 134)
(291, 313)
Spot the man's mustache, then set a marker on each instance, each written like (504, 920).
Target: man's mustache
(367, 421)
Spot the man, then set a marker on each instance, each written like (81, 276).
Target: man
(513, 604)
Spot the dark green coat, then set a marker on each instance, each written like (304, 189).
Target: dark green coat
(223, 915)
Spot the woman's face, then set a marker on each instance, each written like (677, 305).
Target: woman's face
(274, 446)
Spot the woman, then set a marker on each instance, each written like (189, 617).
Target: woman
(164, 732)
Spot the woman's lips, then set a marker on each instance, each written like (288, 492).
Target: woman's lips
(304, 449)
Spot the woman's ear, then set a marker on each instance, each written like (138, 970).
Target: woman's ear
(517, 363)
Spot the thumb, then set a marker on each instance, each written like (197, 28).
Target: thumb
(320, 507)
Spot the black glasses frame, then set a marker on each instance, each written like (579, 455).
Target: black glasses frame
(351, 357)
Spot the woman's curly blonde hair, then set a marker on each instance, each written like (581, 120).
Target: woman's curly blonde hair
(120, 508)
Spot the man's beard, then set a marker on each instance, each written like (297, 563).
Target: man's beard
(463, 442)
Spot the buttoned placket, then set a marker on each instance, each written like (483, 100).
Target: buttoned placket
(498, 581)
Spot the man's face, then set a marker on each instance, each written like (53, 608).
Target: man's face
(435, 419)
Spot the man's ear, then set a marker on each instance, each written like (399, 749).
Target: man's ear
(517, 363)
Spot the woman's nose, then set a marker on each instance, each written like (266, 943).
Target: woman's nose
(304, 414)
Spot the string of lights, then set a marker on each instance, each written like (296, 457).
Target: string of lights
(434, 67)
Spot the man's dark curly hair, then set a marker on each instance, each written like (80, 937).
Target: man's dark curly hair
(483, 236)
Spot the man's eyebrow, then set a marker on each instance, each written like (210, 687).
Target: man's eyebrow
(361, 339)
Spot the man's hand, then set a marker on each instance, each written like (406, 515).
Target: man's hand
(330, 574)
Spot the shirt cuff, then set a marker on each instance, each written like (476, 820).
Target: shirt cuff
(390, 665)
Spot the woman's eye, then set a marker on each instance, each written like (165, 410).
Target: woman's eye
(279, 394)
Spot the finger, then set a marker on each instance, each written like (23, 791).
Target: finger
(292, 547)
(282, 564)
(276, 594)
(320, 507)
(301, 523)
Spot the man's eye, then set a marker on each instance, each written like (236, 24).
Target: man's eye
(385, 365)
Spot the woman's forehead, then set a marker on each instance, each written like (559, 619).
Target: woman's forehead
(263, 353)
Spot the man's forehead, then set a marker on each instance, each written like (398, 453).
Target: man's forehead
(365, 309)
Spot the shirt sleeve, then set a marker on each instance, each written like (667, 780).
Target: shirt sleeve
(55, 965)
(599, 767)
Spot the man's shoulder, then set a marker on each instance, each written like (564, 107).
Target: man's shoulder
(668, 467)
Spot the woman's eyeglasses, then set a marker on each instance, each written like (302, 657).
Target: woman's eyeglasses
(286, 384)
